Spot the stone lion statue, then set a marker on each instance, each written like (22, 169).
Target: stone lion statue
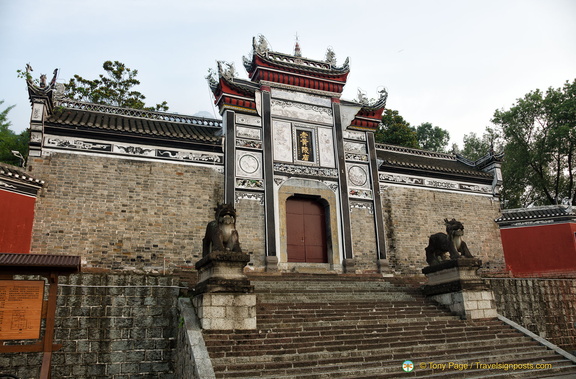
(450, 242)
(221, 234)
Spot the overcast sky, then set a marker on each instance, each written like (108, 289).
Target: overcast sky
(451, 63)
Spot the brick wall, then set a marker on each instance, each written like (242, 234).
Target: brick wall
(411, 215)
(546, 307)
(251, 230)
(123, 214)
(363, 240)
(112, 326)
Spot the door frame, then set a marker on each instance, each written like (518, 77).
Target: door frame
(325, 196)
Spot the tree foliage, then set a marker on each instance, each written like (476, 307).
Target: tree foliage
(115, 88)
(10, 141)
(432, 137)
(476, 147)
(395, 130)
(540, 133)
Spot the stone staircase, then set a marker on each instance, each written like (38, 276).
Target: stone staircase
(327, 326)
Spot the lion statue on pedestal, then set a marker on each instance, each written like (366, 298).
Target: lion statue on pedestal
(450, 242)
(221, 234)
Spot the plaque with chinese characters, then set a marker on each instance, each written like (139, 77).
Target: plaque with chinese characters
(304, 145)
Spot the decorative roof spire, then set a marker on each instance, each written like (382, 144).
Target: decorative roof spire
(297, 52)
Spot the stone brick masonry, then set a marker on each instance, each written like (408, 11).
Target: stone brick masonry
(123, 214)
(251, 230)
(546, 307)
(363, 240)
(412, 215)
(110, 326)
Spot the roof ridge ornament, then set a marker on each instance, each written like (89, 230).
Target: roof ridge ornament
(228, 72)
(330, 56)
(362, 98)
(212, 79)
(261, 47)
(380, 102)
(297, 51)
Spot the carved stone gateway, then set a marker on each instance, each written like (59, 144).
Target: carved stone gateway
(457, 285)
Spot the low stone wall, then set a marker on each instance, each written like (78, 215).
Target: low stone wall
(110, 325)
(191, 357)
(546, 307)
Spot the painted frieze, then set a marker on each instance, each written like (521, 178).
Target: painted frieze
(440, 184)
(299, 111)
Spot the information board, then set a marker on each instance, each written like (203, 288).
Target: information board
(20, 309)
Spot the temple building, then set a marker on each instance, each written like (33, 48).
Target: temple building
(133, 190)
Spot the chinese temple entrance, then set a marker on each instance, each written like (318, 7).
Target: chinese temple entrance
(306, 231)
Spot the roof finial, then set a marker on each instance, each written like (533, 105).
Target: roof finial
(297, 52)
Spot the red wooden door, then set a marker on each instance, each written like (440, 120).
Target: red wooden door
(306, 231)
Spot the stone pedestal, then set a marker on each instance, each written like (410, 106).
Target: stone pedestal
(457, 285)
(224, 298)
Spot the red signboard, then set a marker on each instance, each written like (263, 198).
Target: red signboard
(16, 219)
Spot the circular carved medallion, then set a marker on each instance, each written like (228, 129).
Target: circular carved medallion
(357, 176)
(249, 164)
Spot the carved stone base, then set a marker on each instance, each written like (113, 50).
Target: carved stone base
(384, 268)
(457, 285)
(349, 265)
(224, 297)
(226, 311)
(271, 263)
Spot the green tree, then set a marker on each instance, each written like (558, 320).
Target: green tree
(540, 133)
(114, 88)
(432, 137)
(476, 147)
(395, 130)
(10, 141)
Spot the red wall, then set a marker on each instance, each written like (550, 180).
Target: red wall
(540, 249)
(16, 218)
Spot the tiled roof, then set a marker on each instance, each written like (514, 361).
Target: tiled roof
(544, 213)
(15, 174)
(34, 262)
(396, 158)
(103, 118)
(304, 64)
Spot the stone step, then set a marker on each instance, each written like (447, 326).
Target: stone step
(399, 331)
(390, 338)
(354, 366)
(343, 322)
(272, 341)
(330, 297)
(392, 333)
(328, 326)
(396, 306)
(281, 314)
(369, 348)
